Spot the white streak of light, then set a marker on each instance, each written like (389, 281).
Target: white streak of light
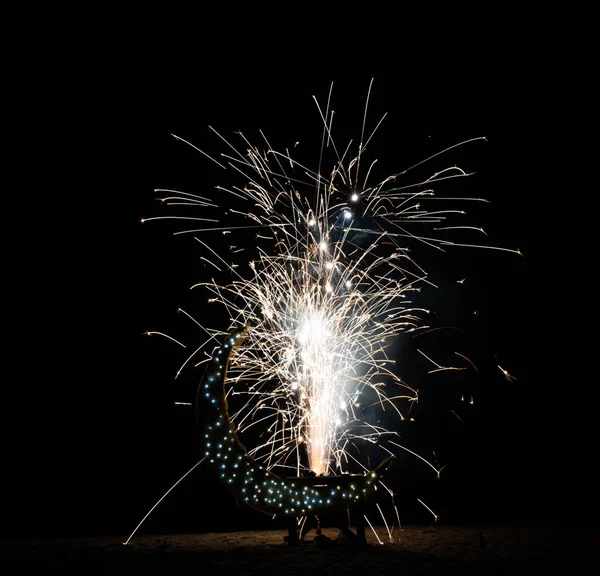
(162, 498)
(378, 539)
(386, 524)
(435, 516)
(415, 454)
(165, 335)
(398, 516)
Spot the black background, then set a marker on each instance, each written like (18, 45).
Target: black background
(93, 436)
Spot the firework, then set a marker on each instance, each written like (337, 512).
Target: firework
(326, 285)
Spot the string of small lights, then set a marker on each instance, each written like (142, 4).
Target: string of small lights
(251, 482)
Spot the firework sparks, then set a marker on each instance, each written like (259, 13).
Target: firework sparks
(328, 285)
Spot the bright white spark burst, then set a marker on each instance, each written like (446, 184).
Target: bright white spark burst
(329, 289)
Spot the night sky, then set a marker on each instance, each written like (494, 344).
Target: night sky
(99, 438)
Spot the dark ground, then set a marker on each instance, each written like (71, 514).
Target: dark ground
(423, 550)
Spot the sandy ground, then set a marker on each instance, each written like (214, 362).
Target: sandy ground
(416, 551)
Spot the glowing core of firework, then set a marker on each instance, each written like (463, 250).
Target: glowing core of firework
(318, 371)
